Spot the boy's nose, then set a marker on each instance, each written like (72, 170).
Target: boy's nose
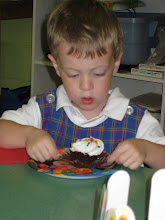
(86, 83)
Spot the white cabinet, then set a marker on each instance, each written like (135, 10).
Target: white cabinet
(149, 80)
(44, 78)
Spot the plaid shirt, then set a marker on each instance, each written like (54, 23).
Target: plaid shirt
(64, 131)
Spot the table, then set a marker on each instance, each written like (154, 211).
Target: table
(27, 194)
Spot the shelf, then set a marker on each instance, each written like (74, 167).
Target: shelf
(128, 75)
(122, 74)
(44, 62)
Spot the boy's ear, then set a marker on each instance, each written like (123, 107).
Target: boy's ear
(54, 62)
(117, 63)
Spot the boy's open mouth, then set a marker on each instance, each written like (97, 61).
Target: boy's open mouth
(87, 100)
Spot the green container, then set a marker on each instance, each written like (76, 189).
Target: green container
(128, 3)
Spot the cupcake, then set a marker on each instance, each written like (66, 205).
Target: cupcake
(86, 152)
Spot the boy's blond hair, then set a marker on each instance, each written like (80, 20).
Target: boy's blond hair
(87, 26)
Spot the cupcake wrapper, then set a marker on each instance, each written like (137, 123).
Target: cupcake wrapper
(81, 160)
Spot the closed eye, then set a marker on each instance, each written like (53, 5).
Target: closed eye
(99, 74)
(73, 76)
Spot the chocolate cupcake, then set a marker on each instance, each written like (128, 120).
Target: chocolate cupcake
(87, 153)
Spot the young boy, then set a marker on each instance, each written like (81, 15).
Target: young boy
(85, 41)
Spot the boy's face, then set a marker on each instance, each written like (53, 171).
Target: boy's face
(86, 80)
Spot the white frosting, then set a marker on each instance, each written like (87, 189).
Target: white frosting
(91, 146)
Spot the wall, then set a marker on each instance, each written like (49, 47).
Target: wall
(15, 60)
(156, 6)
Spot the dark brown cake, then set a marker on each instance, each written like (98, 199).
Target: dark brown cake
(84, 160)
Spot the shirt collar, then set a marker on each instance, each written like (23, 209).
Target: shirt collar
(62, 98)
(115, 108)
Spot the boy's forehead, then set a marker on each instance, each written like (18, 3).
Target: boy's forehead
(70, 61)
(64, 49)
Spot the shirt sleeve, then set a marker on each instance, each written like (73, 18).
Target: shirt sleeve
(150, 129)
(28, 114)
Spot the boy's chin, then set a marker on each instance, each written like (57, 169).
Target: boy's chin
(88, 108)
(89, 112)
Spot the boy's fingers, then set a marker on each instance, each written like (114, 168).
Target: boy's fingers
(38, 157)
(54, 152)
(33, 157)
(111, 159)
(115, 154)
(56, 155)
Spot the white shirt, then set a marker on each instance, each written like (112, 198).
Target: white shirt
(115, 108)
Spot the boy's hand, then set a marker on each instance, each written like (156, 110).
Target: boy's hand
(130, 153)
(40, 146)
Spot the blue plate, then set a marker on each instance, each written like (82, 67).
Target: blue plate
(63, 169)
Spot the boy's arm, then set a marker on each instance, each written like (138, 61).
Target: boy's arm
(12, 134)
(155, 156)
(39, 145)
(134, 152)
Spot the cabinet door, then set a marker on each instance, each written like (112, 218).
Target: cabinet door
(43, 76)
